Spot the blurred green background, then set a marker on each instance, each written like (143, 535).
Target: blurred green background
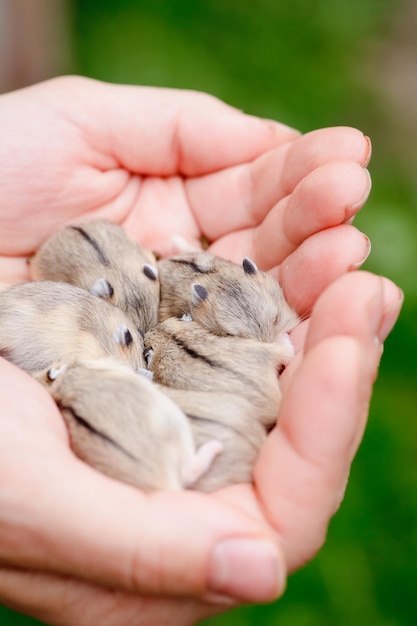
(310, 63)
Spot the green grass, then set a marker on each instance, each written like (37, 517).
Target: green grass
(309, 64)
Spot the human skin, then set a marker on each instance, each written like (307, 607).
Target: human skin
(79, 548)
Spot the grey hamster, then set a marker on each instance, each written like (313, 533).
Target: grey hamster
(101, 258)
(227, 418)
(45, 322)
(225, 298)
(121, 424)
(184, 355)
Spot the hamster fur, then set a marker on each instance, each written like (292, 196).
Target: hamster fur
(183, 355)
(99, 257)
(121, 424)
(45, 322)
(230, 420)
(225, 298)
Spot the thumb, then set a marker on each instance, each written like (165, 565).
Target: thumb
(59, 515)
(76, 522)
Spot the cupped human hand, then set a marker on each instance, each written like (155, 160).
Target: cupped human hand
(79, 548)
(168, 164)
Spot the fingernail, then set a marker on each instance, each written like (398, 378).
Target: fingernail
(247, 569)
(358, 264)
(368, 153)
(282, 127)
(383, 308)
(357, 205)
(390, 316)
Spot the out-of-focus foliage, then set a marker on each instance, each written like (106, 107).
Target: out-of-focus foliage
(312, 63)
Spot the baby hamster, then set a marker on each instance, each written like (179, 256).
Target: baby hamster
(122, 425)
(184, 355)
(101, 258)
(226, 418)
(225, 298)
(45, 322)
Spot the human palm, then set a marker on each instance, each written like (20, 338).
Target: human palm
(168, 164)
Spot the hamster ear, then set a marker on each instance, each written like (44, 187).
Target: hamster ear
(122, 335)
(150, 271)
(102, 288)
(198, 293)
(54, 372)
(249, 266)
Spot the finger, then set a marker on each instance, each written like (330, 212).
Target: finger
(328, 196)
(304, 338)
(354, 146)
(116, 537)
(241, 197)
(60, 601)
(324, 413)
(349, 320)
(303, 469)
(164, 132)
(352, 320)
(13, 270)
(59, 515)
(318, 261)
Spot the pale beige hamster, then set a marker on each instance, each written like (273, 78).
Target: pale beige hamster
(99, 257)
(184, 355)
(121, 424)
(225, 298)
(45, 322)
(226, 418)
